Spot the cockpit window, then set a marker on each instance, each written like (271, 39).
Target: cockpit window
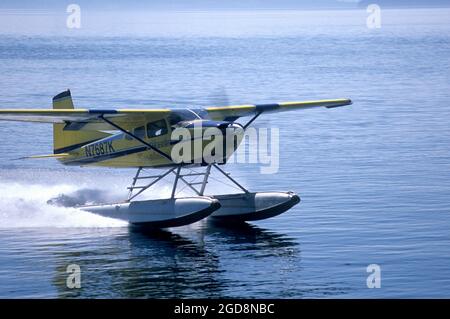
(181, 115)
(174, 119)
(156, 128)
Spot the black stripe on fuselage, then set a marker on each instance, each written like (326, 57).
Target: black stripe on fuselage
(72, 147)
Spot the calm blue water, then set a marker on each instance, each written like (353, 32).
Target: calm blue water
(374, 177)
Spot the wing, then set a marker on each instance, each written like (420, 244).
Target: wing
(84, 119)
(90, 119)
(231, 113)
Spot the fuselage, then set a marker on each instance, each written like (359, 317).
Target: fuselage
(182, 129)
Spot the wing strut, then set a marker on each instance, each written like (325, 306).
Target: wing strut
(157, 150)
(252, 119)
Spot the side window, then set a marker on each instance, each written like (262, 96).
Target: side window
(139, 131)
(156, 128)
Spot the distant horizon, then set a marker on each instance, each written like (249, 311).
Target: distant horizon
(201, 10)
(210, 5)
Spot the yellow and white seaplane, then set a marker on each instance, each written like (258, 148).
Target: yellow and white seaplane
(169, 139)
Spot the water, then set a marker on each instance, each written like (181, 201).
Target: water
(374, 178)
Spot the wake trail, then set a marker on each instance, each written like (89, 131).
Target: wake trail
(33, 205)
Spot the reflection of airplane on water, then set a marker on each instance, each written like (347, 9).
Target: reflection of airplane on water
(180, 263)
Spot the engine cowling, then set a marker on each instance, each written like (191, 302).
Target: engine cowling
(207, 141)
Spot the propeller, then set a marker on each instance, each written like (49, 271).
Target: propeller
(218, 97)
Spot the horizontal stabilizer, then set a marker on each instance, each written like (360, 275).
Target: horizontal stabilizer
(61, 155)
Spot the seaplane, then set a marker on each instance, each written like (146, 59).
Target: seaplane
(169, 142)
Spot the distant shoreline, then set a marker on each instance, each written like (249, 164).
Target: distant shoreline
(32, 11)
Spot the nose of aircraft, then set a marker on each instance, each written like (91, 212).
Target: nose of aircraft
(234, 128)
(234, 132)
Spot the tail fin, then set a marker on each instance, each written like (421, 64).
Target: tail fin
(67, 140)
(63, 101)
